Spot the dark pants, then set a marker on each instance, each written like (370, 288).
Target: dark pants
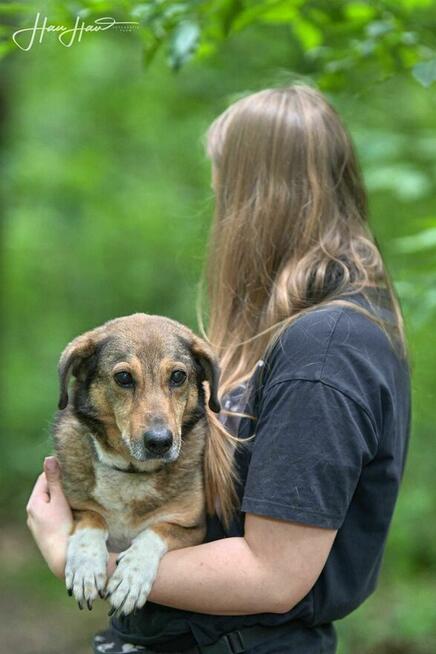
(108, 642)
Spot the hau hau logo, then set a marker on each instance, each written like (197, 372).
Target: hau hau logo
(26, 37)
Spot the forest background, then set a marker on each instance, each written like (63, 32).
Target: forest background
(107, 206)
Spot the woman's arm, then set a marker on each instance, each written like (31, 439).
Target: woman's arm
(269, 569)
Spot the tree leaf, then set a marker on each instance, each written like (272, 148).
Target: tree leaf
(359, 11)
(425, 72)
(267, 12)
(378, 28)
(184, 42)
(308, 34)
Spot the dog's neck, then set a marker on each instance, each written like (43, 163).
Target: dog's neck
(117, 462)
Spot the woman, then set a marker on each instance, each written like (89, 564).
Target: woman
(310, 340)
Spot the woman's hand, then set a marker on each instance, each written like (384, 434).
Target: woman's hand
(49, 517)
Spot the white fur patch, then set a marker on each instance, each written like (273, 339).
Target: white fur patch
(85, 571)
(137, 567)
(113, 459)
(110, 458)
(115, 491)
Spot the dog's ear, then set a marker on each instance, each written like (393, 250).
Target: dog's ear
(210, 369)
(77, 351)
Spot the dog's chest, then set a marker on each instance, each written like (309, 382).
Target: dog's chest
(126, 499)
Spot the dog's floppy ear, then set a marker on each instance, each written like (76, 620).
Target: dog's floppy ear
(210, 369)
(79, 349)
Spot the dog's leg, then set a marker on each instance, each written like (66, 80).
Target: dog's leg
(87, 555)
(137, 566)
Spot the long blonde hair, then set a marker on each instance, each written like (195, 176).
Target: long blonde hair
(290, 230)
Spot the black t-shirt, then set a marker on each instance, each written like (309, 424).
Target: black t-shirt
(332, 403)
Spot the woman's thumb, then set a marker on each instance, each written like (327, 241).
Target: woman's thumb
(52, 472)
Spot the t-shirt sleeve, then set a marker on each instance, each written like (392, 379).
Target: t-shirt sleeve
(311, 443)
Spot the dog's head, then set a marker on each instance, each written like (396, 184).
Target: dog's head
(139, 385)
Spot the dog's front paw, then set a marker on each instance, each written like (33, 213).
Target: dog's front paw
(86, 568)
(136, 570)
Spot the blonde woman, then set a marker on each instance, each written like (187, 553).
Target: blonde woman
(310, 339)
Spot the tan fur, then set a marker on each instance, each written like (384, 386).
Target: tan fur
(177, 536)
(89, 519)
(99, 435)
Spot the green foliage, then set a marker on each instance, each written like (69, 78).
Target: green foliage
(184, 42)
(108, 203)
(425, 72)
(335, 38)
(425, 240)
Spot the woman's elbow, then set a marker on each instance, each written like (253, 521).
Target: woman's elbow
(284, 604)
(286, 596)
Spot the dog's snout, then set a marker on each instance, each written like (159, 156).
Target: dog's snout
(158, 440)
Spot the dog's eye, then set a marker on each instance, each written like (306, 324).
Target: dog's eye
(177, 377)
(124, 379)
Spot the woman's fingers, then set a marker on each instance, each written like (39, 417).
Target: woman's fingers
(52, 471)
(53, 475)
(47, 487)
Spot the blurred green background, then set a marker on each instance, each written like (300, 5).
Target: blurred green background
(107, 209)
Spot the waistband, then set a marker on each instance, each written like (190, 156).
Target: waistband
(234, 642)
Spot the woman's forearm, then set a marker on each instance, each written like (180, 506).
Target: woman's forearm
(220, 578)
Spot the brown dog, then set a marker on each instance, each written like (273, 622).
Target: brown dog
(137, 451)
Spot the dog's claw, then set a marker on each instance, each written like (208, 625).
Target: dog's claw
(109, 592)
(102, 594)
(118, 610)
(79, 604)
(89, 604)
(111, 611)
(70, 592)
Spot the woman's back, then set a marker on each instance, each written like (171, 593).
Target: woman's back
(333, 410)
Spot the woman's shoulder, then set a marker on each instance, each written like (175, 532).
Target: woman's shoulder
(344, 352)
(333, 343)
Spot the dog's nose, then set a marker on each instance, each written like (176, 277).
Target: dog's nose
(158, 440)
